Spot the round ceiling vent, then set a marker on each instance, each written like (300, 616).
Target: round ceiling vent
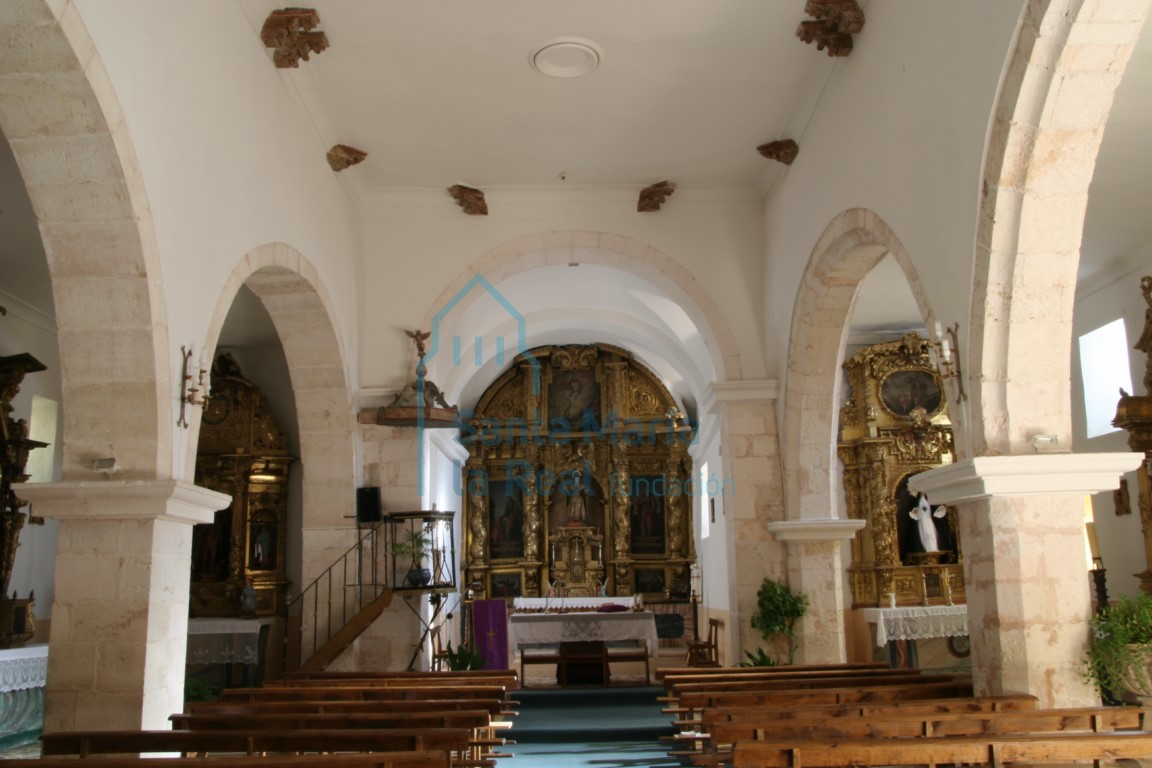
(566, 57)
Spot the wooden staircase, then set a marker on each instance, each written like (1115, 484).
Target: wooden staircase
(343, 637)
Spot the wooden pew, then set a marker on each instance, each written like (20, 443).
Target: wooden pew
(904, 726)
(691, 704)
(992, 751)
(425, 759)
(666, 673)
(494, 707)
(86, 743)
(448, 675)
(795, 682)
(473, 719)
(363, 693)
(429, 679)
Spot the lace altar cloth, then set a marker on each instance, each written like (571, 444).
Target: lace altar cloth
(553, 628)
(23, 668)
(223, 641)
(918, 622)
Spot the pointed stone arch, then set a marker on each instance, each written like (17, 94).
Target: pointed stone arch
(850, 246)
(62, 119)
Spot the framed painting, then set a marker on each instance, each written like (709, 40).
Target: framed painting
(650, 580)
(505, 521)
(902, 391)
(646, 513)
(506, 584)
(573, 400)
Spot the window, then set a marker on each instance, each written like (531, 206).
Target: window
(702, 500)
(1105, 369)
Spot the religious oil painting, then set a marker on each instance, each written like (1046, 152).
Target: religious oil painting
(902, 391)
(573, 401)
(647, 515)
(262, 554)
(650, 580)
(507, 584)
(506, 520)
(210, 543)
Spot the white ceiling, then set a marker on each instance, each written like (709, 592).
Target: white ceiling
(442, 92)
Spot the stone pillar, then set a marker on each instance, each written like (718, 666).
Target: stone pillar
(120, 618)
(815, 568)
(1022, 528)
(753, 496)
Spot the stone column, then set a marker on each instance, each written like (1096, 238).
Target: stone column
(120, 618)
(753, 495)
(1022, 528)
(815, 568)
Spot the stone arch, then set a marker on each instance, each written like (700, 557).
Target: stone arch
(290, 289)
(848, 249)
(1054, 101)
(616, 251)
(60, 114)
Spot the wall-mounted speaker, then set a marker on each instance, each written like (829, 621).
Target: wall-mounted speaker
(368, 505)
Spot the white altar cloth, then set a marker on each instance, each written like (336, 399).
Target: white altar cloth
(552, 603)
(22, 668)
(224, 641)
(554, 628)
(917, 622)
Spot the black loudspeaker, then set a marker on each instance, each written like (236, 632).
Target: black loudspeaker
(368, 505)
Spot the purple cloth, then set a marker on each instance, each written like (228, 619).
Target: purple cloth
(490, 624)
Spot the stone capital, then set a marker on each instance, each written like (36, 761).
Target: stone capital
(720, 393)
(985, 477)
(169, 500)
(819, 529)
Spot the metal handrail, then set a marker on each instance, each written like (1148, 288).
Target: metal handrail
(362, 579)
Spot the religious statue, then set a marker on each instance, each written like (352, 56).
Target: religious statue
(923, 513)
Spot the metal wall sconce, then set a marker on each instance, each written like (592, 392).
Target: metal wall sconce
(189, 390)
(946, 357)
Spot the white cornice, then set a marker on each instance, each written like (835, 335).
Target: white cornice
(818, 529)
(751, 391)
(125, 499)
(1042, 474)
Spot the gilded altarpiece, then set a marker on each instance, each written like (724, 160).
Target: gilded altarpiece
(578, 480)
(895, 425)
(243, 452)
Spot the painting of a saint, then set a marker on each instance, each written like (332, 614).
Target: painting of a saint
(262, 556)
(506, 520)
(507, 585)
(903, 391)
(647, 515)
(573, 400)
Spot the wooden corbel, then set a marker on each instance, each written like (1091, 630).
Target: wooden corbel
(342, 156)
(783, 151)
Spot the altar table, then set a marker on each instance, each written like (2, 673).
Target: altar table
(224, 641)
(554, 628)
(916, 622)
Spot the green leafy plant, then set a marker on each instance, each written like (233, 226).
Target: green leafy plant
(415, 544)
(759, 658)
(197, 689)
(1121, 639)
(462, 658)
(777, 609)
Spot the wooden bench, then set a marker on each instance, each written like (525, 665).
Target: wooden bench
(494, 707)
(473, 719)
(428, 679)
(970, 750)
(455, 741)
(693, 675)
(795, 682)
(408, 759)
(363, 693)
(446, 674)
(903, 726)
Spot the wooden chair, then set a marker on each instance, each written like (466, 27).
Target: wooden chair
(439, 656)
(705, 653)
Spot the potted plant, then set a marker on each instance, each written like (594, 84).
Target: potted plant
(415, 544)
(777, 609)
(463, 658)
(1120, 655)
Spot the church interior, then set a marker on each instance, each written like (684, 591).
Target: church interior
(372, 324)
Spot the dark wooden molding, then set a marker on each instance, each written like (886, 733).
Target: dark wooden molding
(783, 151)
(836, 22)
(469, 199)
(342, 156)
(289, 32)
(653, 196)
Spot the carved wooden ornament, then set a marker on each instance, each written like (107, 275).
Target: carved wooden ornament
(342, 156)
(783, 151)
(289, 32)
(652, 197)
(837, 21)
(469, 199)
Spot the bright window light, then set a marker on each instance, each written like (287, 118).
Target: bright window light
(1105, 369)
(702, 500)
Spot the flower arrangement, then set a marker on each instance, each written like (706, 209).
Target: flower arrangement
(1121, 647)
